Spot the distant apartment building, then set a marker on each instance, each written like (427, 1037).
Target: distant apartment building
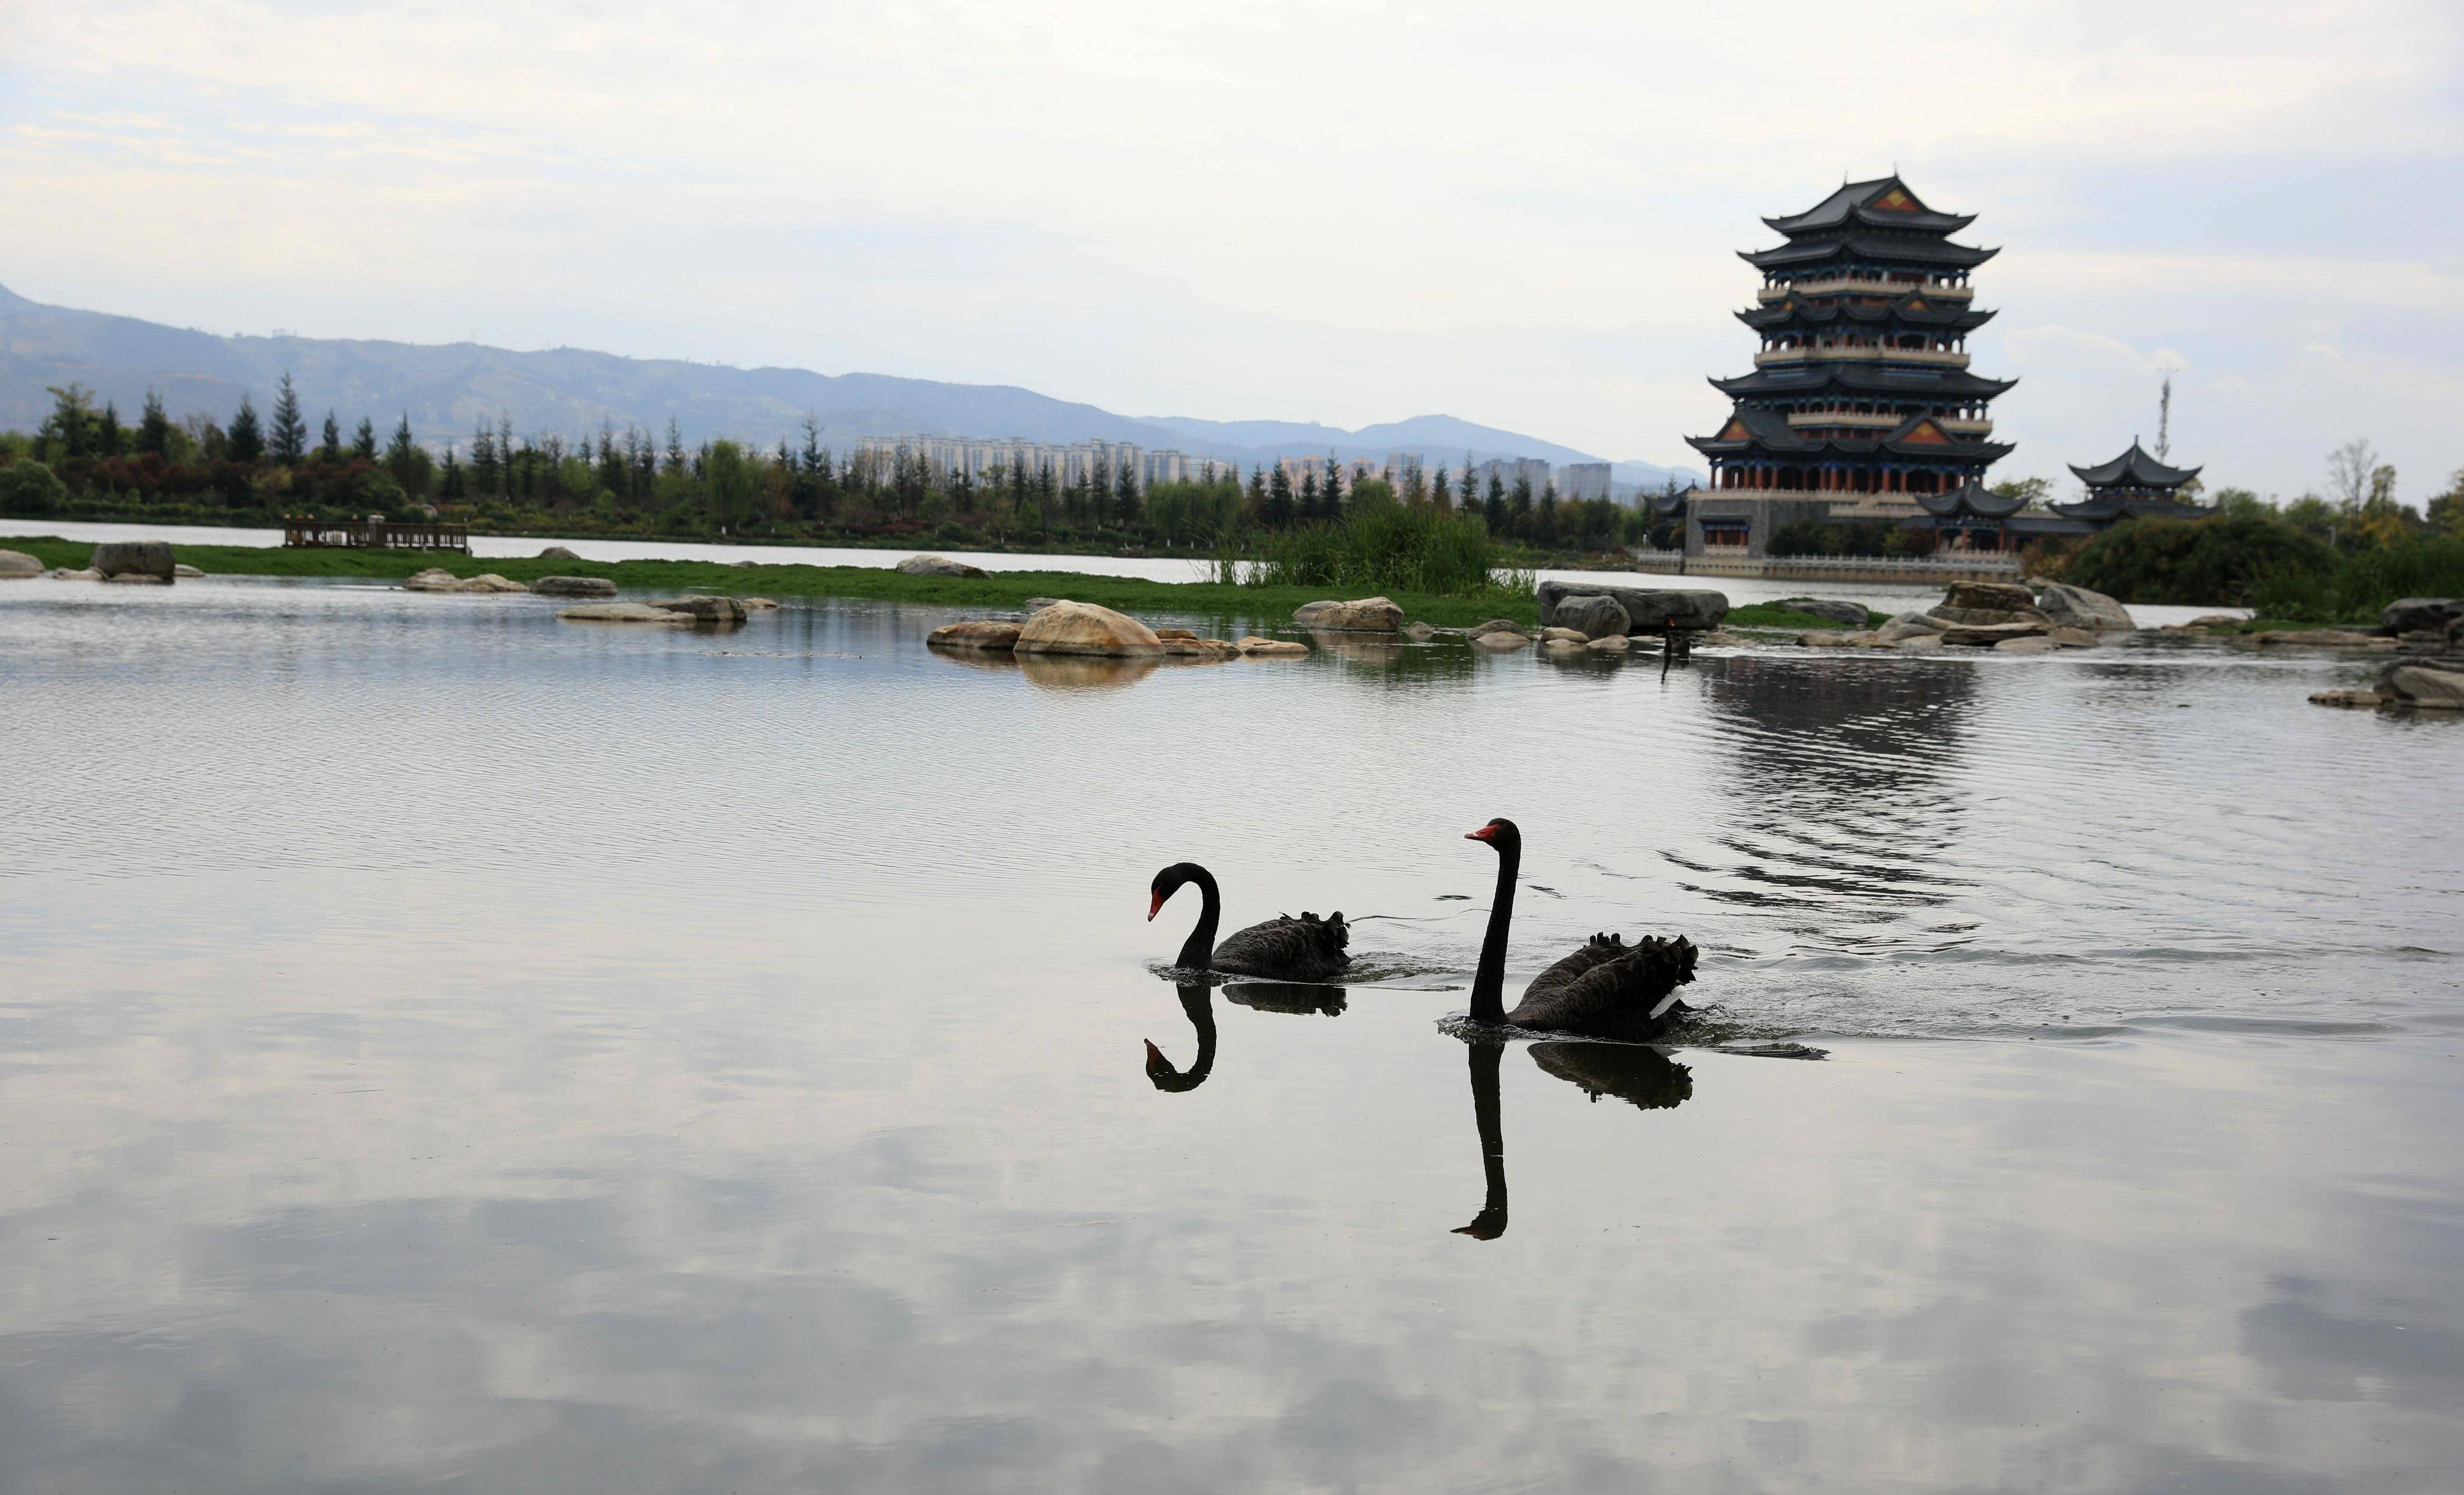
(1510, 470)
(1583, 480)
(978, 459)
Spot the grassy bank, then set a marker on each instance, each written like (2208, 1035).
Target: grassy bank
(1002, 590)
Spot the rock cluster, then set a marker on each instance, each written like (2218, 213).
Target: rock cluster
(1647, 610)
(937, 566)
(976, 633)
(1595, 617)
(2414, 684)
(1084, 628)
(574, 587)
(558, 552)
(150, 559)
(437, 578)
(1362, 616)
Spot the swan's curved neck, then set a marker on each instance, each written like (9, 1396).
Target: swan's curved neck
(1198, 1003)
(1200, 952)
(1488, 983)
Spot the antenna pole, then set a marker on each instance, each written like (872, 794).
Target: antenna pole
(2164, 419)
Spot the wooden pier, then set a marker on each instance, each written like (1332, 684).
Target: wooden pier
(355, 534)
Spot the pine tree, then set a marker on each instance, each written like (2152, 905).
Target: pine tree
(363, 442)
(107, 432)
(1333, 497)
(1443, 499)
(1124, 495)
(453, 485)
(483, 457)
(1257, 494)
(1493, 507)
(1280, 511)
(404, 460)
(288, 441)
(330, 449)
(1309, 495)
(245, 440)
(154, 428)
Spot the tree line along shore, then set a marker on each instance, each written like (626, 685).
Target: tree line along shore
(2338, 558)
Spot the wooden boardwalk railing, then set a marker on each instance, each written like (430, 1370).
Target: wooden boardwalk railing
(354, 534)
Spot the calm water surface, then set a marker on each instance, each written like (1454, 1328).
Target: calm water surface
(442, 1047)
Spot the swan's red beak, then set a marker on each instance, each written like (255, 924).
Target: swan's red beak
(1480, 834)
(1155, 908)
(1155, 1055)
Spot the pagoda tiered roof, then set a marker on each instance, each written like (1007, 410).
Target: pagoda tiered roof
(1868, 249)
(1883, 203)
(1910, 310)
(2135, 469)
(1916, 380)
(1752, 430)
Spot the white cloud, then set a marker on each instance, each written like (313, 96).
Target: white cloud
(1351, 212)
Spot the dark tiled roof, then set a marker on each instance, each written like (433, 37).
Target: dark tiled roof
(1930, 315)
(1768, 431)
(1870, 248)
(1973, 498)
(2135, 469)
(1917, 383)
(2097, 510)
(1856, 201)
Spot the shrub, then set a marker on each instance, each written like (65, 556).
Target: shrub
(30, 488)
(2359, 583)
(2207, 562)
(1383, 548)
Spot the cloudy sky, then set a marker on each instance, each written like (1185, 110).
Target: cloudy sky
(1521, 215)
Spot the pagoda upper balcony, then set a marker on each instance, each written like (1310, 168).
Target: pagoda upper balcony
(1865, 285)
(1860, 353)
(1818, 420)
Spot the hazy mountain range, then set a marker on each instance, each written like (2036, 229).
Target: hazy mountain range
(448, 390)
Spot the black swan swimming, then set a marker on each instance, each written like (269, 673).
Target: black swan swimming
(1604, 989)
(1282, 948)
(1198, 1000)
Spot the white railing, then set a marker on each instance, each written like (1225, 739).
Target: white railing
(1853, 285)
(1955, 425)
(1863, 353)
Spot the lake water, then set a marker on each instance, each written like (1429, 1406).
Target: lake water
(445, 1047)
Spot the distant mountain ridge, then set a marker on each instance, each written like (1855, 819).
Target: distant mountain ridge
(447, 388)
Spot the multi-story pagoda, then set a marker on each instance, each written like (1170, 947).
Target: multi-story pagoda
(2133, 485)
(1860, 401)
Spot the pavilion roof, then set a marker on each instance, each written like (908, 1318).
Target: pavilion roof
(2119, 507)
(1885, 202)
(1752, 430)
(1972, 498)
(1872, 248)
(2135, 469)
(1916, 381)
(1913, 309)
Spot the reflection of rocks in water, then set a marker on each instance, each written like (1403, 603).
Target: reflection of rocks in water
(1196, 1001)
(1844, 785)
(992, 662)
(1288, 996)
(1359, 648)
(1632, 1072)
(1085, 671)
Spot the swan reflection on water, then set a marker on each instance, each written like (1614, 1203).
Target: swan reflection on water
(1196, 1001)
(1632, 1072)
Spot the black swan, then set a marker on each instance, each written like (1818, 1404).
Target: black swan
(1605, 990)
(1282, 948)
(1198, 1000)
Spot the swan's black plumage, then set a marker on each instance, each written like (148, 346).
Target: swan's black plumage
(1605, 990)
(1197, 1002)
(1282, 948)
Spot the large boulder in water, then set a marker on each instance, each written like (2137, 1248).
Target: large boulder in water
(726, 611)
(937, 566)
(1594, 616)
(2077, 607)
(2421, 615)
(1833, 610)
(574, 587)
(558, 552)
(1905, 626)
(1362, 616)
(2416, 682)
(1651, 609)
(117, 558)
(15, 565)
(1084, 628)
(975, 633)
(1999, 596)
